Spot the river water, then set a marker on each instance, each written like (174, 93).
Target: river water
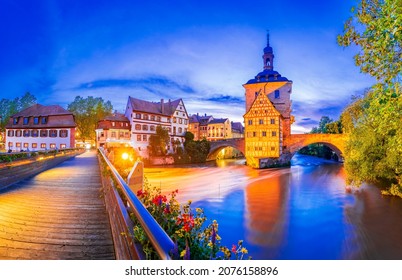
(301, 212)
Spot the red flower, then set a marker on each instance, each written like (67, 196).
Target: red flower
(187, 221)
(159, 199)
(141, 193)
(234, 249)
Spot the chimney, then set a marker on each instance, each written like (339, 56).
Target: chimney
(162, 107)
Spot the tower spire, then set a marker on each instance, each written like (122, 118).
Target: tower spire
(267, 37)
(268, 56)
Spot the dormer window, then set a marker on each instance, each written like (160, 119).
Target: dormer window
(15, 120)
(26, 120)
(43, 120)
(277, 94)
(36, 120)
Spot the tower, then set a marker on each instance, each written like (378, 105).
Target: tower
(267, 120)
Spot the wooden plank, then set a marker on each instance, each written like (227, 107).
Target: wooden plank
(58, 214)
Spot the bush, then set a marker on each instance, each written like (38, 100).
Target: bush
(188, 228)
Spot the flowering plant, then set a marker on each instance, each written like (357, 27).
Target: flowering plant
(194, 239)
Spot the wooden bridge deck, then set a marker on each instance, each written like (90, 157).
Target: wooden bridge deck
(58, 214)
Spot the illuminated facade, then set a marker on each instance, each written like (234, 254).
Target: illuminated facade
(268, 114)
(41, 128)
(145, 116)
(219, 129)
(113, 130)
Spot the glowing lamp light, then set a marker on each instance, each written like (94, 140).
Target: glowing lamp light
(124, 156)
(88, 146)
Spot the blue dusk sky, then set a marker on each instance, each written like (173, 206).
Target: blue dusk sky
(200, 51)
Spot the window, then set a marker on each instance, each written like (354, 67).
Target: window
(273, 133)
(152, 128)
(277, 94)
(126, 134)
(144, 138)
(144, 127)
(272, 121)
(35, 133)
(137, 127)
(138, 116)
(18, 144)
(43, 133)
(63, 133)
(43, 120)
(264, 133)
(174, 120)
(121, 124)
(36, 120)
(52, 146)
(180, 130)
(18, 133)
(180, 121)
(34, 145)
(62, 146)
(254, 134)
(113, 134)
(152, 118)
(26, 120)
(168, 120)
(174, 130)
(26, 145)
(138, 137)
(177, 113)
(261, 121)
(250, 122)
(15, 120)
(158, 119)
(121, 133)
(145, 117)
(53, 133)
(113, 124)
(10, 144)
(185, 122)
(43, 146)
(27, 133)
(10, 133)
(272, 148)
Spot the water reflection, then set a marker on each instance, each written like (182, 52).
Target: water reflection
(302, 212)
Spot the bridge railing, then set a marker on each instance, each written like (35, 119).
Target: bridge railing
(159, 239)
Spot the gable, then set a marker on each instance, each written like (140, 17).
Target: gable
(262, 106)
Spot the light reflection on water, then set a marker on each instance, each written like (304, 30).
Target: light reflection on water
(302, 212)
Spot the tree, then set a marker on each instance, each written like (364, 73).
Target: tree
(87, 112)
(321, 125)
(11, 107)
(374, 122)
(159, 141)
(375, 26)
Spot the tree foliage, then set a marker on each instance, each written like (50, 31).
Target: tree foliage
(374, 121)
(10, 107)
(159, 141)
(87, 112)
(375, 26)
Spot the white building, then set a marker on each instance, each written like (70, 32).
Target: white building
(40, 128)
(145, 116)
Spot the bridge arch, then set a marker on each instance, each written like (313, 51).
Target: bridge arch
(336, 142)
(217, 146)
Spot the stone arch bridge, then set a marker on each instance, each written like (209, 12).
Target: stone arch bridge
(292, 144)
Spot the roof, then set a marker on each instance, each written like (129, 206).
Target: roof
(38, 110)
(154, 107)
(268, 76)
(237, 126)
(57, 117)
(116, 117)
(203, 120)
(218, 121)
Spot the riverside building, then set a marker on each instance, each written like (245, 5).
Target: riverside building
(40, 127)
